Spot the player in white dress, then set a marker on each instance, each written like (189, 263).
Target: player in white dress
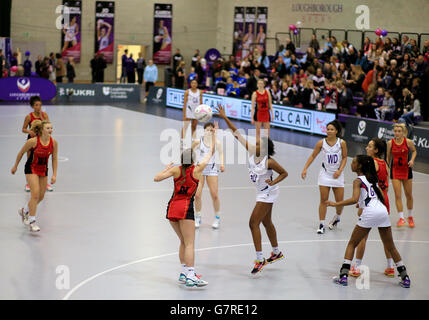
(261, 167)
(373, 215)
(210, 173)
(331, 174)
(192, 99)
(70, 31)
(102, 34)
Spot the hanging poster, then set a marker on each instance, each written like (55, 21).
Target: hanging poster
(261, 28)
(249, 31)
(71, 32)
(238, 32)
(163, 14)
(104, 29)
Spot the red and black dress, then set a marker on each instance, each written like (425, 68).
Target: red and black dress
(181, 204)
(383, 183)
(37, 162)
(262, 111)
(32, 118)
(399, 168)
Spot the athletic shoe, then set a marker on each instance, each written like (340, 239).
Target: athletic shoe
(390, 272)
(49, 188)
(27, 188)
(24, 216)
(197, 221)
(216, 223)
(354, 272)
(275, 257)
(195, 282)
(259, 265)
(182, 278)
(34, 227)
(405, 283)
(333, 223)
(342, 281)
(401, 222)
(410, 222)
(321, 229)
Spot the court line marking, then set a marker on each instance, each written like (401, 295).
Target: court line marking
(84, 282)
(168, 190)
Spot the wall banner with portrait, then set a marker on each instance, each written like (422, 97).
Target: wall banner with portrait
(71, 31)
(261, 28)
(249, 31)
(162, 33)
(238, 31)
(104, 29)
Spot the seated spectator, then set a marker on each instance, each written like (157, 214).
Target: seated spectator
(331, 97)
(414, 52)
(229, 85)
(405, 67)
(275, 92)
(366, 108)
(410, 115)
(294, 65)
(366, 45)
(234, 91)
(319, 79)
(356, 79)
(287, 94)
(420, 66)
(343, 71)
(387, 107)
(281, 68)
(345, 97)
(404, 104)
(362, 61)
(396, 89)
(290, 46)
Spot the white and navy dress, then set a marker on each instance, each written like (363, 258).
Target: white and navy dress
(259, 173)
(211, 168)
(332, 157)
(192, 103)
(374, 214)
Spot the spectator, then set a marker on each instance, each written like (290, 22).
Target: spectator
(252, 83)
(366, 108)
(131, 69)
(319, 79)
(192, 76)
(410, 115)
(404, 104)
(14, 60)
(176, 60)
(314, 43)
(70, 70)
(425, 50)
(275, 92)
(345, 97)
(195, 58)
(331, 97)
(366, 45)
(100, 66)
(44, 68)
(124, 58)
(60, 70)
(52, 74)
(27, 65)
(420, 66)
(180, 75)
(387, 107)
(1, 63)
(93, 66)
(290, 46)
(141, 63)
(150, 76)
(356, 79)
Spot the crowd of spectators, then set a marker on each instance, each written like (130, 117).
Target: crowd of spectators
(382, 80)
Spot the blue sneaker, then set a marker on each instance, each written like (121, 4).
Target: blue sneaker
(405, 283)
(342, 281)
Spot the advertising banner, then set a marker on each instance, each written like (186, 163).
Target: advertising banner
(71, 33)
(284, 117)
(156, 96)
(238, 32)
(162, 33)
(261, 28)
(22, 89)
(98, 92)
(104, 29)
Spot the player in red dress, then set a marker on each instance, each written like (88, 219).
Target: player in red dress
(36, 168)
(37, 114)
(398, 150)
(376, 149)
(262, 109)
(180, 209)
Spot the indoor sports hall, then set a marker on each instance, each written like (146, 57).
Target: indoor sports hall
(102, 231)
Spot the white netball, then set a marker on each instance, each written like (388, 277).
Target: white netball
(203, 113)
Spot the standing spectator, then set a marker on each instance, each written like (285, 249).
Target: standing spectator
(93, 66)
(314, 43)
(141, 64)
(195, 58)
(131, 69)
(1, 63)
(38, 65)
(345, 97)
(150, 76)
(180, 75)
(27, 65)
(124, 67)
(14, 60)
(70, 70)
(252, 83)
(331, 97)
(100, 66)
(290, 46)
(176, 60)
(60, 71)
(52, 75)
(44, 68)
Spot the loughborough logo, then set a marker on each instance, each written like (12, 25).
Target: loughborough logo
(106, 91)
(23, 84)
(361, 127)
(159, 93)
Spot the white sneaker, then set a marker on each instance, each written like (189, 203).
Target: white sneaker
(24, 216)
(334, 223)
(195, 282)
(197, 221)
(34, 227)
(49, 187)
(216, 223)
(321, 229)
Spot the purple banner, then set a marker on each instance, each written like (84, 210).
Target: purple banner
(249, 31)
(70, 34)
(104, 29)
(162, 29)
(238, 32)
(22, 89)
(261, 28)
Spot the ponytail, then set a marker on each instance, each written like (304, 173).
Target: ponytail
(37, 126)
(381, 146)
(368, 170)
